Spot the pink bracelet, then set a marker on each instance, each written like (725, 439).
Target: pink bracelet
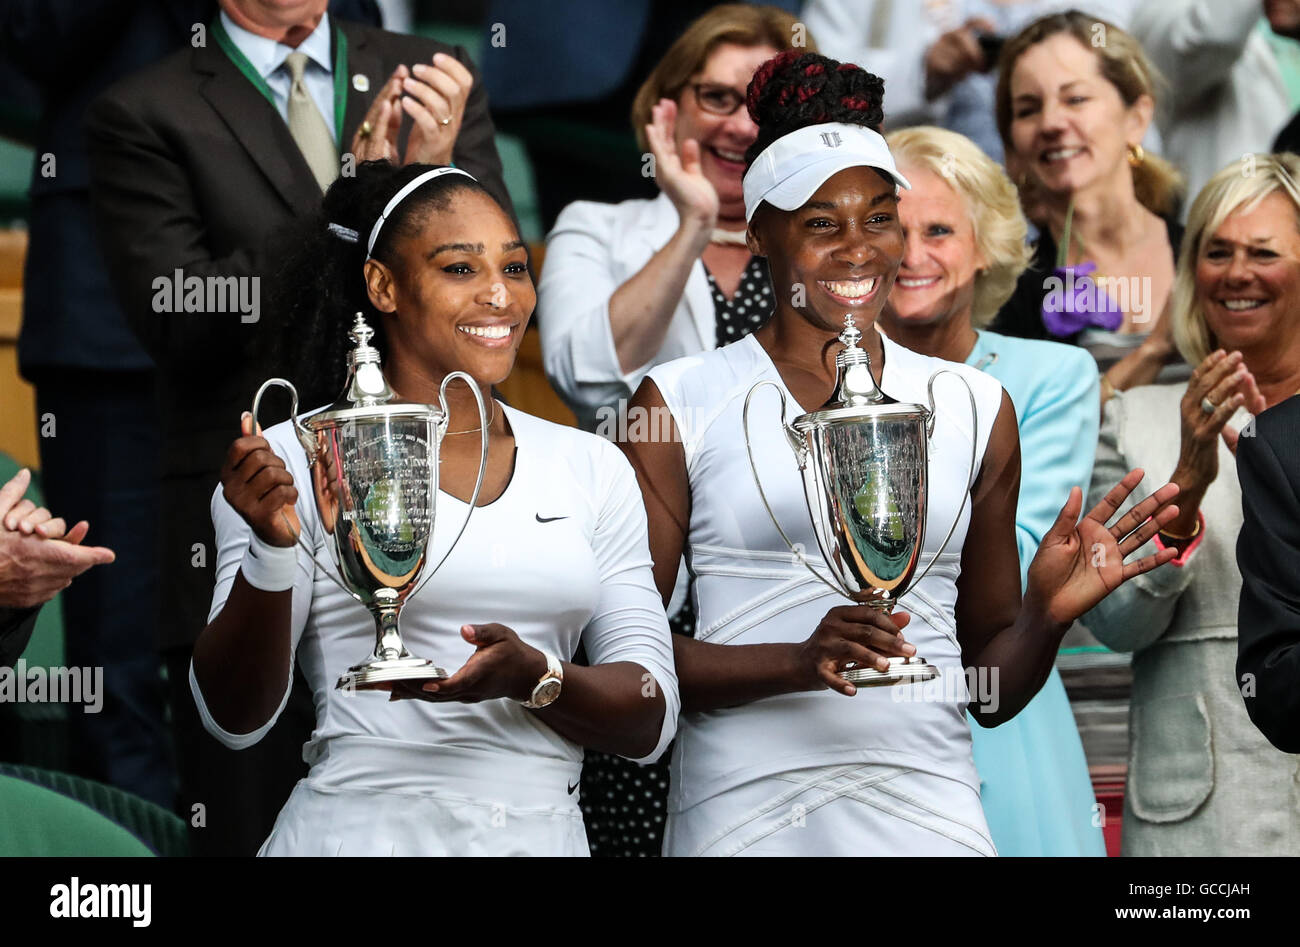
(1195, 538)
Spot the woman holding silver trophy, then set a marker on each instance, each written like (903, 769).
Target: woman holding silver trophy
(429, 274)
(769, 759)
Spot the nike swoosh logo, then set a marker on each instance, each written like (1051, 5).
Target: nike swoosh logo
(549, 519)
(575, 785)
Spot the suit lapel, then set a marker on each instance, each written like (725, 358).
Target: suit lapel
(363, 60)
(257, 126)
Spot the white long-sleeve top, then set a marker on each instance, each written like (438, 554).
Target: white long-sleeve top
(584, 573)
(592, 251)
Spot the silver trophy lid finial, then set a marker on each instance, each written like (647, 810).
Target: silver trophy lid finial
(361, 333)
(854, 385)
(366, 384)
(851, 333)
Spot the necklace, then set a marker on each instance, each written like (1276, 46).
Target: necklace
(733, 238)
(471, 430)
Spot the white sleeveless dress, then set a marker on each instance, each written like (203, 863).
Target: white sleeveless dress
(886, 772)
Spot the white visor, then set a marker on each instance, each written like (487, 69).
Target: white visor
(790, 170)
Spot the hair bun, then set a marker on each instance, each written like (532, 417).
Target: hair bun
(796, 88)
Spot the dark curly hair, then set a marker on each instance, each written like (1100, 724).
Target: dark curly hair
(795, 89)
(320, 286)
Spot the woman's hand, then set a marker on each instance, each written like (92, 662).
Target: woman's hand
(1223, 380)
(857, 634)
(501, 666)
(680, 176)
(1079, 564)
(256, 483)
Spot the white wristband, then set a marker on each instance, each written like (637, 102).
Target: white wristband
(269, 568)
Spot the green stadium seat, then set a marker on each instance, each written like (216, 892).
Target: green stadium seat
(15, 178)
(38, 822)
(162, 831)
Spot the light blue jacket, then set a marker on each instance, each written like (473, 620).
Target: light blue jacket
(1034, 782)
(1057, 396)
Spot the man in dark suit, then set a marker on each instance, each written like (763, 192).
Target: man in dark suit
(196, 166)
(1268, 554)
(96, 405)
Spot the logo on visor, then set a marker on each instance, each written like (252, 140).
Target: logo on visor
(832, 139)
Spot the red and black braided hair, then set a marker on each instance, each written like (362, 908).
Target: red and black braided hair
(797, 88)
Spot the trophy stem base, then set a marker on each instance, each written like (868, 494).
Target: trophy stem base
(370, 674)
(901, 671)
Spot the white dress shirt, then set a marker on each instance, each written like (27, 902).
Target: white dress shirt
(267, 57)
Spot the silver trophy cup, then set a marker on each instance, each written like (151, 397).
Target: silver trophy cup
(374, 470)
(865, 458)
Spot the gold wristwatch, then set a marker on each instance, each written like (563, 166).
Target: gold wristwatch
(548, 688)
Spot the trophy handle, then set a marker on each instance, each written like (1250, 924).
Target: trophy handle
(974, 439)
(482, 464)
(800, 453)
(308, 442)
(305, 436)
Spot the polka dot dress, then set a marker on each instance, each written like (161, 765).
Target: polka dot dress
(749, 308)
(624, 804)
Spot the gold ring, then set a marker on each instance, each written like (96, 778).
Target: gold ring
(366, 129)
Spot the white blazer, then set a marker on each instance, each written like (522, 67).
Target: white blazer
(592, 251)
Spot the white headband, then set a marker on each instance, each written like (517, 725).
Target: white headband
(402, 195)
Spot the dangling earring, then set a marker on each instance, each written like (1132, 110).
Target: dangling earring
(1136, 155)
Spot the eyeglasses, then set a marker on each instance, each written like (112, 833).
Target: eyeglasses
(717, 99)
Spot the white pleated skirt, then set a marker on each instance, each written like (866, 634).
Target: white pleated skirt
(846, 810)
(373, 798)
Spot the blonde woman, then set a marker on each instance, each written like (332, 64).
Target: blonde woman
(1202, 780)
(964, 248)
(1075, 96)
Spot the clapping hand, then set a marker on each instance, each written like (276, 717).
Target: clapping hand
(435, 99)
(1222, 382)
(39, 556)
(376, 138)
(1080, 563)
(434, 96)
(680, 175)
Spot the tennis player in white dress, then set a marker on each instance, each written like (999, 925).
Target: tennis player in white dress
(556, 554)
(776, 753)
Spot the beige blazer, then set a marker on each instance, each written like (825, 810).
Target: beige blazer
(1202, 780)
